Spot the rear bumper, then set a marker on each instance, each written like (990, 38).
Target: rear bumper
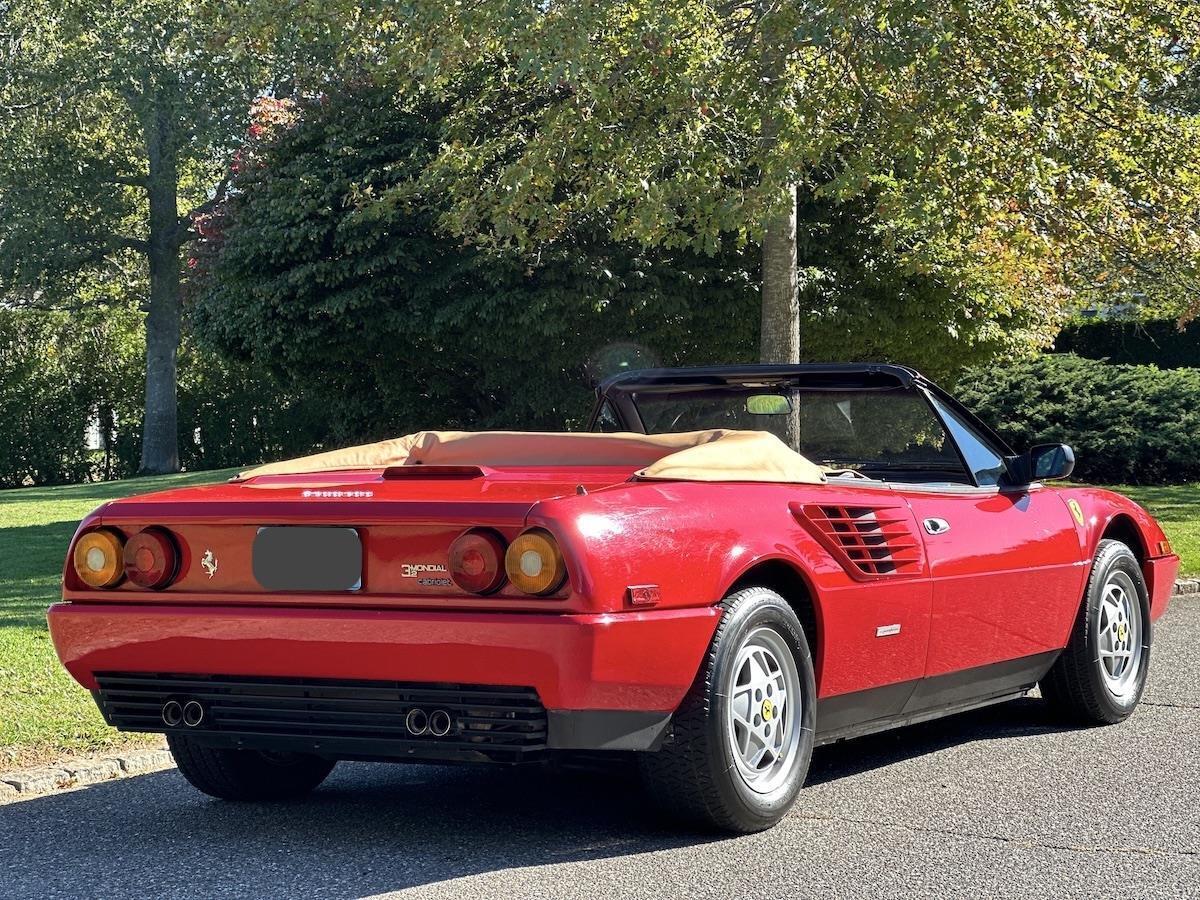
(1160, 575)
(606, 681)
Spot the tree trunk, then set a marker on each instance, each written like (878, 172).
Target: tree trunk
(779, 337)
(160, 441)
(779, 326)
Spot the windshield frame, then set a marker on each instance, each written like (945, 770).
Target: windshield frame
(619, 394)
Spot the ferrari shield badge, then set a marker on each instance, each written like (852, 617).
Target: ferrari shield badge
(1076, 510)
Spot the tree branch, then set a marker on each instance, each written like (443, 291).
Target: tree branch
(184, 229)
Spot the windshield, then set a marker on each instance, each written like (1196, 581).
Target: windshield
(871, 431)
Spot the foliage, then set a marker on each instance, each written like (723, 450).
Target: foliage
(1130, 424)
(1146, 342)
(58, 374)
(318, 270)
(1014, 152)
(117, 123)
(61, 373)
(862, 301)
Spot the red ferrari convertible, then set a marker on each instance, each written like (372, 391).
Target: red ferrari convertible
(731, 566)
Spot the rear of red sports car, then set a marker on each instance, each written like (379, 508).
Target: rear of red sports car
(757, 561)
(418, 613)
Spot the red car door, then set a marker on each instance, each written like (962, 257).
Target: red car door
(1005, 562)
(1006, 574)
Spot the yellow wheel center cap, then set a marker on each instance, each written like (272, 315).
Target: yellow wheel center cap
(768, 710)
(1122, 630)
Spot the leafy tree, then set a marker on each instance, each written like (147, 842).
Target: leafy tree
(117, 121)
(58, 374)
(325, 267)
(1015, 152)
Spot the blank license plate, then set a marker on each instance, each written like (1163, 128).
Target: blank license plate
(293, 558)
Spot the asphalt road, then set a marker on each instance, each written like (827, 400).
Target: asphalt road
(999, 802)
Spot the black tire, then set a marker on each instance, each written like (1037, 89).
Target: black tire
(694, 778)
(247, 774)
(1078, 686)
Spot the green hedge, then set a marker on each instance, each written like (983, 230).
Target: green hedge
(1158, 342)
(1127, 424)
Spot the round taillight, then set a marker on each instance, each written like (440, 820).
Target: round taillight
(534, 563)
(150, 558)
(477, 561)
(97, 558)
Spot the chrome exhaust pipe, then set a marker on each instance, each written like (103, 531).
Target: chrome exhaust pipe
(193, 713)
(417, 722)
(439, 723)
(172, 713)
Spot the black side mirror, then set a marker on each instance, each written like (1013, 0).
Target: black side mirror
(1047, 461)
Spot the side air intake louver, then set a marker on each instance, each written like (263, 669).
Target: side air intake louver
(874, 541)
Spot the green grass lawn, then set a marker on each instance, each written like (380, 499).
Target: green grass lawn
(42, 711)
(1177, 508)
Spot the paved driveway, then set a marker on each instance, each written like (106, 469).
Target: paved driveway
(1000, 802)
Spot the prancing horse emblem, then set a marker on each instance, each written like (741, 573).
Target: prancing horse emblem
(209, 563)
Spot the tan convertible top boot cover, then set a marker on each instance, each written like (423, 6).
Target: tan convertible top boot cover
(714, 455)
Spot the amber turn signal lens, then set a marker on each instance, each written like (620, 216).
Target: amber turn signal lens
(97, 558)
(150, 558)
(477, 561)
(534, 563)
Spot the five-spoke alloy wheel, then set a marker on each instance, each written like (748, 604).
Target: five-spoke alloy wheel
(743, 738)
(764, 710)
(1100, 676)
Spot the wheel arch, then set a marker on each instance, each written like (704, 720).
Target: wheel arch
(1121, 527)
(792, 583)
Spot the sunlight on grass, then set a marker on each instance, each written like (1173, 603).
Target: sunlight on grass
(42, 711)
(1177, 508)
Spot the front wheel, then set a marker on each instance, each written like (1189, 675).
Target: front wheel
(743, 738)
(247, 774)
(1100, 676)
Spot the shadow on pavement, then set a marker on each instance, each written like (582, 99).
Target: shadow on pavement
(1016, 718)
(377, 828)
(370, 829)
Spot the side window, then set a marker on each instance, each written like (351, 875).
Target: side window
(985, 464)
(607, 420)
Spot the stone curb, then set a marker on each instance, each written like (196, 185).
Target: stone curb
(80, 772)
(1187, 586)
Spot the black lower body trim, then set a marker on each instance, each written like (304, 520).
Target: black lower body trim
(342, 719)
(606, 729)
(907, 702)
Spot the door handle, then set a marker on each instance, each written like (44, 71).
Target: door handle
(936, 526)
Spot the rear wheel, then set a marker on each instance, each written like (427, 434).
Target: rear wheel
(247, 774)
(743, 738)
(1100, 676)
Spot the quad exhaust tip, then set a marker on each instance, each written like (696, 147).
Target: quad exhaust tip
(172, 713)
(193, 714)
(439, 723)
(417, 722)
(436, 723)
(189, 713)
